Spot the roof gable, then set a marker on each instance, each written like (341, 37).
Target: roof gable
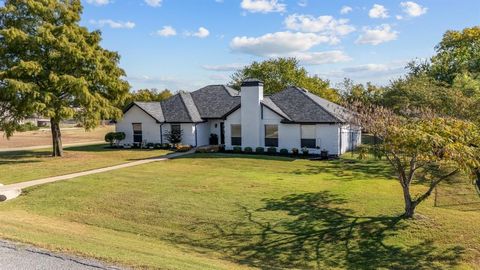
(215, 101)
(303, 107)
(153, 109)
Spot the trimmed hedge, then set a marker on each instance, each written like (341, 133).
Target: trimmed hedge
(260, 150)
(237, 149)
(295, 151)
(248, 150)
(272, 150)
(284, 151)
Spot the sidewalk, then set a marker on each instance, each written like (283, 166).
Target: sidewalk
(12, 191)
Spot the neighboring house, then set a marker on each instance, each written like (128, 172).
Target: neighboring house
(292, 118)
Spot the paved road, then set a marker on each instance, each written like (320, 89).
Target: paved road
(21, 257)
(15, 149)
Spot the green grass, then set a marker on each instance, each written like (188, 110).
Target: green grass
(30, 165)
(214, 211)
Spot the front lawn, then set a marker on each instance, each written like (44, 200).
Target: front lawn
(217, 211)
(30, 165)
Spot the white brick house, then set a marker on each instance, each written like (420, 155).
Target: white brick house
(292, 118)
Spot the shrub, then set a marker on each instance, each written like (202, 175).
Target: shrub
(284, 151)
(158, 146)
(305, 151)
(259, 150)
(27, 127)
(165, 146)
(237, 149)
(272, 150)
(150, 145)
(295, 151)
(174, 136)
(114, 137)
(248, 150)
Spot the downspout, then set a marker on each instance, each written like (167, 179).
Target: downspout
(196, 139)
(161, 132)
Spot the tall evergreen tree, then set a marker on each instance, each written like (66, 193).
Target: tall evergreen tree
(51, 66)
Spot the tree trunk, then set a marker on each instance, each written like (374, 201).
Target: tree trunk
(409, 204)
(56, 138)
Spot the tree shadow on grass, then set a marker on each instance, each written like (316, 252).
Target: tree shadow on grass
(316, 232)
(349, 169)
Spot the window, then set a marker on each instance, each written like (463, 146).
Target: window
(137, 132)
(175, 128)
(271, 135)
(236, 131)
(308, 136)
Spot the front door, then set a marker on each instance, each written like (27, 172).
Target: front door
(222, 133)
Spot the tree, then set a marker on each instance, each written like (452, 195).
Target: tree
(149, 95)
(51, 66)
(458, 53)
(279, 73)
(366, 94)
(422, 147)
(174, 136)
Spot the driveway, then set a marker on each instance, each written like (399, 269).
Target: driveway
(22, 257)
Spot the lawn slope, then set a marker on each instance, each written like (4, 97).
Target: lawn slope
(217, 211)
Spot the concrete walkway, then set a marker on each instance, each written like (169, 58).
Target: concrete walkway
(22, 257)
(12, 191)
(16, 149)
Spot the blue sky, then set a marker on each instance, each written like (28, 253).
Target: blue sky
(187, 44)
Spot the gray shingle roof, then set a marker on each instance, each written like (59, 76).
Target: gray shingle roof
(294, 104)
(304, 107)
(215, 101)
(272, 106)
(152, 108)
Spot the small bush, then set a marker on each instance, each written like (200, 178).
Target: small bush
(259, 150)
(295, 151)
(27, 127)
(158, 146)
(165, 146)
(272, 150)
(284, 151)
(237, 149)
(248, 150)
(150, 145)
(305, 151)
(114, 137)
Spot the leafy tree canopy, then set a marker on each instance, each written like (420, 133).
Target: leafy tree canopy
(422, 147)
(51, 66)
(279, 73)
(458, 53)
(149, 95)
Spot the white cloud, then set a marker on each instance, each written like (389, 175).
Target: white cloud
(326, 25)
(377, 35)
(167, 31)
(226, 67)
(263, 6)
(278, 43)
(201, 33)
(99, 2)
(413, 9)
(113, 24)
(399, 17)
(154, 3)
(319, 58)
(346, 10)
(378, 11)
(302, 3)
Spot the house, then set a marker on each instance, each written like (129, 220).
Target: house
(292, 118)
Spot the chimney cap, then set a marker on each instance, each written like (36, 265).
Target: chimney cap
(252, 82)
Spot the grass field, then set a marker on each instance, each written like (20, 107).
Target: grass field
(43, 137)
(215, 211)
(29, 165)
